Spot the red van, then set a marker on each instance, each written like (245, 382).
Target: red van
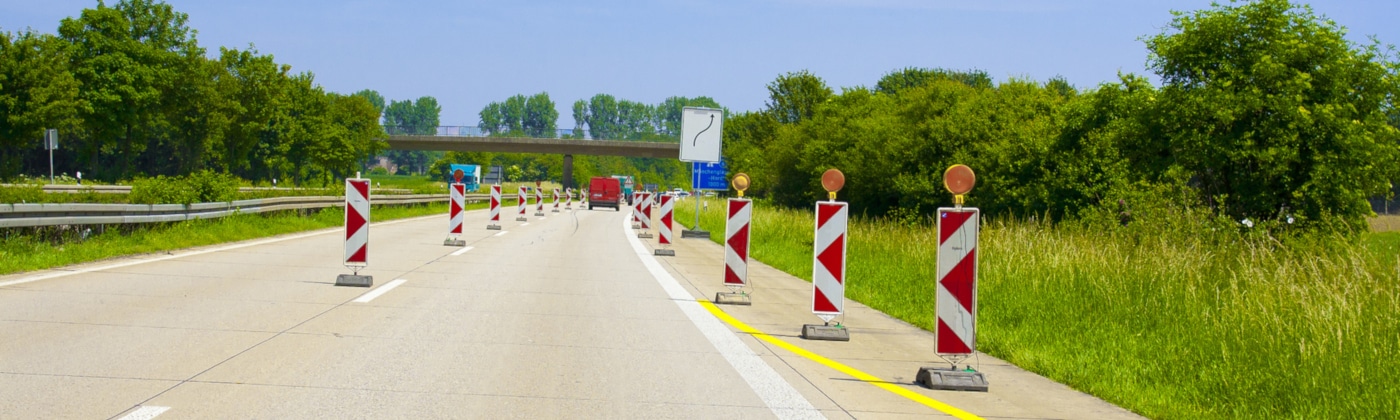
(604, 192)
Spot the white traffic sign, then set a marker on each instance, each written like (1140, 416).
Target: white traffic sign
(700, 134)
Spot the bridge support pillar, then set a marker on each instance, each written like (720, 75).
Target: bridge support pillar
(568, 180)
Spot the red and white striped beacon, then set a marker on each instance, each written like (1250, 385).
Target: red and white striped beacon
(668, 205)
(539, 200)
(736, 245)
(556, 201)
(495, 208)
(458, 193)
(568, 199)
(520, 203)
(356, 232)
(956, 334)
(829, 263)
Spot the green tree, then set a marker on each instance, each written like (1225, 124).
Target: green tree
(125, 57)
(794, 97)
(254, 88)
(375, 100)
(37, 91)
(1272, 111)
(913, 76)
(541, 118)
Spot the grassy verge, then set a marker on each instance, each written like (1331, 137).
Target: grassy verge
(31, 252)
(1163, 323)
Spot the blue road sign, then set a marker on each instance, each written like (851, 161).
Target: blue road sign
(709, 176)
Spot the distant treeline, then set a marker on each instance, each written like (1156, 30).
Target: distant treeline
(1265, 113)
(132, 94)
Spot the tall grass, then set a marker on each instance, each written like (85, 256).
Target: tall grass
(1177, 323)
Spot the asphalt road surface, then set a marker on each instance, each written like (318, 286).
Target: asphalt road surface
(566, 316)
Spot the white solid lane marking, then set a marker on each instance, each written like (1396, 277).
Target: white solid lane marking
(189, 254)
(782, 399)
(368, 296)
(461, 251)
(502, 233)
(146, 412)
(525, 224)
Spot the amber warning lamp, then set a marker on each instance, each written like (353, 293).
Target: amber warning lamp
(833, 180)
(740, 183)
(959, 180)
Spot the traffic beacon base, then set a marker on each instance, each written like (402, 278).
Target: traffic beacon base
(665, 252)
(825, 332)
(458, 242)
(952, 379)
(733, 298)
(695, 234)
(354, 280)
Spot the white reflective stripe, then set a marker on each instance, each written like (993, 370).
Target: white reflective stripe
(380, 291)
(779, 395)
(958, 318)
(965, 239)
(145, 412)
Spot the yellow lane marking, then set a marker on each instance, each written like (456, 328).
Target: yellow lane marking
(868, 378)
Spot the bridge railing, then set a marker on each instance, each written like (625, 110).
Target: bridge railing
(473, 131)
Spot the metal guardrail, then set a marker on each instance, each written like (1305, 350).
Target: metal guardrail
(50, 214)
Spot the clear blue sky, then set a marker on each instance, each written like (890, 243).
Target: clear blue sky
(470, 53)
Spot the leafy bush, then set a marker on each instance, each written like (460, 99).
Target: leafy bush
(23, 193)
(199, 187)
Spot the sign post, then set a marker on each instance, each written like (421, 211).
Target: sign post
(356, 233)
(51, 143)
(736, 245)
(705, 177)
(829, 263)
(701, 142)
(956, 308)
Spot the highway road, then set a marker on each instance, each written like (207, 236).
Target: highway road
(566, 316)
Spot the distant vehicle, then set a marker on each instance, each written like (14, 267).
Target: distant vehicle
(604, 192)
(627, 185)
(680, 194)
(471, 175)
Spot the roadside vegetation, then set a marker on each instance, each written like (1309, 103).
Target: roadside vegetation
(1176, 320)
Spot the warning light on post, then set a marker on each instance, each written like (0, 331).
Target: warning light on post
(833, 180)
(959, 180)
(740, 183)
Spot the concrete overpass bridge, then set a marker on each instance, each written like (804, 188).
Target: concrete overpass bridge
(471, 139)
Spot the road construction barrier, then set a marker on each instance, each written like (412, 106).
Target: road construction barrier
(495, 208)
(455, 213)
(356, 232)
(520, 204)
(736, 243)
(556, 201)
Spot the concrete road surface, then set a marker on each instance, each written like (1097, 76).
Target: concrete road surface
(567, 316)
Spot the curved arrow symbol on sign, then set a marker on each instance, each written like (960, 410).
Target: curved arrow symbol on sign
(696, 141)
